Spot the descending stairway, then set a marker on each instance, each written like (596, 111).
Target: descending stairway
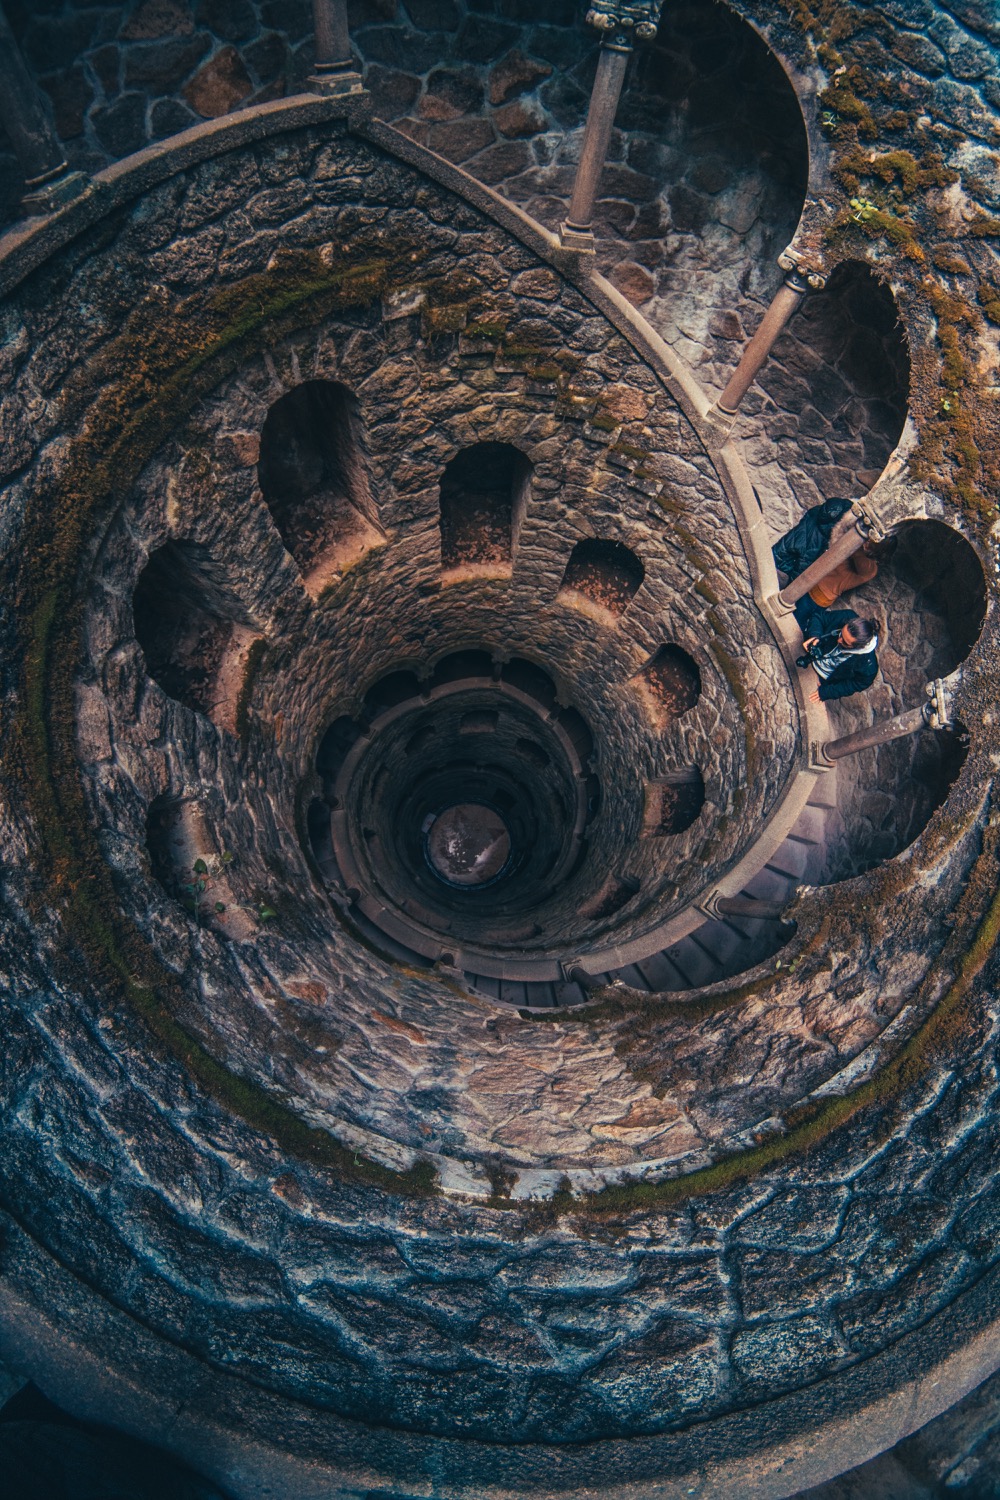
(724, 947)
(720, 949)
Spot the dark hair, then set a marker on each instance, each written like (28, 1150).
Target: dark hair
(861, 631)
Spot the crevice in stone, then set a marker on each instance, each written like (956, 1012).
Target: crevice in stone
(673, 802)
(194, 632)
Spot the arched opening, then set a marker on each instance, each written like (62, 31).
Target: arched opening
(484, 495)
(888, 796)
(531, 680)
(833, 394)
(671, 683)
(389, 691)
(673, 802)
(715, 129)
(459, 664)
(606, 573)
(313, 476)
(930, 598)
(334, 746)
(194, 631)
(949, 593)
(189, 867)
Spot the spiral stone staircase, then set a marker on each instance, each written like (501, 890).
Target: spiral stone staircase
(472, 1024)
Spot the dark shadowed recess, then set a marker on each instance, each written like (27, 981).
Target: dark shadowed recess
(673, 802)
(484, 494)
(608, 573)
(947, 579)
(185, 610)
(672, 680)
(709, 167)
(837, 384)
(313, 475)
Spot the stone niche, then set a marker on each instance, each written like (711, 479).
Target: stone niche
(193, 629)
(484, 497)
(314, 480)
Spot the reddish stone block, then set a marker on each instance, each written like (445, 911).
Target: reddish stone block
(520, 118)
(515, 74)
(634, 282)
(220, 85)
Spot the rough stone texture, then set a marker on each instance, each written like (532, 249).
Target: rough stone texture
(698, 198)
(421, 378)
(501, 1319)
(164, 1197)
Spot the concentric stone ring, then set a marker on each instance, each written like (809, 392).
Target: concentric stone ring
(472, 1022)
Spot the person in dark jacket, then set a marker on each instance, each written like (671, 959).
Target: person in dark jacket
(840, 647)
(808, 540)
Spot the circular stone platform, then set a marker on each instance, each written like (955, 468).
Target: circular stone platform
(468, 844)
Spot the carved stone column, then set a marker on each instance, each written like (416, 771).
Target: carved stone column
(335, 72)
(798, 282)
(621, 23)
(48, 179)
(934, 714)
(844, 542)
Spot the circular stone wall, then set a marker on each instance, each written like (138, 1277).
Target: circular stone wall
(246, 1108)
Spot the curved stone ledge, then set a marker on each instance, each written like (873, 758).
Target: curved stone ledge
(156, 1391)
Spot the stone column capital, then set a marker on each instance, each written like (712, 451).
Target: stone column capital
(799, 263)
(624, 22)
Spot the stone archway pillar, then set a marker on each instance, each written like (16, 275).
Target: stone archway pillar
(934, 714)
(844, 543)
(335, 72)
(48, 179)
(786, 302)
(621, 23)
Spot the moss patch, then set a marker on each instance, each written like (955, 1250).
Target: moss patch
(171, 355)
(896, 213)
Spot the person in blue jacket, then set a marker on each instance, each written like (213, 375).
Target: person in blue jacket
(840, 647)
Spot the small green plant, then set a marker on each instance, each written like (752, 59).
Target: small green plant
(266, 913)
(863, 211)
(193, 889)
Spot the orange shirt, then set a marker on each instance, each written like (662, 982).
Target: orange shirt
(857, 569)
